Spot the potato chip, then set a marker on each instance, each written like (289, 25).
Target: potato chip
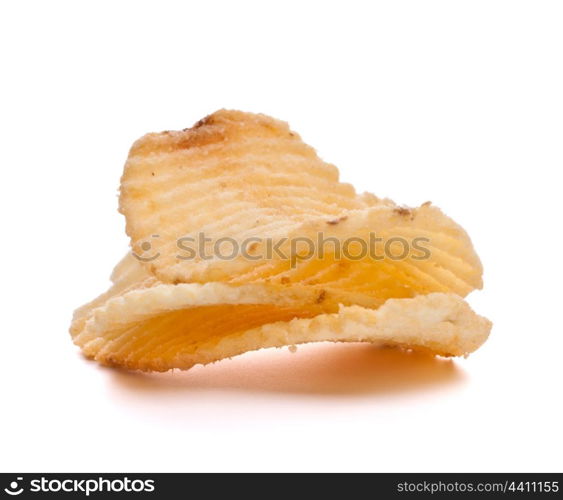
(246, 178)
(127, 274)
(239, 176)
(178, 326)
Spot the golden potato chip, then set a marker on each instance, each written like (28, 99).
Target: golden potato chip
(247, 177)
(177, 326)
(249, 181)
(127, 274)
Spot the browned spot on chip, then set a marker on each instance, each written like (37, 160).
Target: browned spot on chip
(321, 298)
(285, 280)
(199, 137)
(207, 120)
(405, 212)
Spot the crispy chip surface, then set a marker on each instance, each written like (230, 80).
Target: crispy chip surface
(246, 177)
(161, 327)
(128, 274)
(241, 175)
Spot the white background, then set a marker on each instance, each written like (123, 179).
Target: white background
(458, 102)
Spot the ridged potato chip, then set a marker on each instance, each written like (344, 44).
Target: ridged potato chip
(248, 177)
(162, 327)
(240, 175)
(127, 274)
